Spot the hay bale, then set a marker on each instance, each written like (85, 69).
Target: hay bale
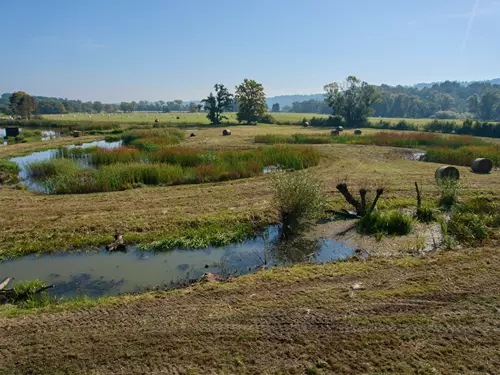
(335, 132)
(192, 135)
(340, 128)
(76, 133)
(226, 132)
(307, 124)
(447, 171)
(357, 131)
(482, 165)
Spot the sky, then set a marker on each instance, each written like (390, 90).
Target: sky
(123, 50)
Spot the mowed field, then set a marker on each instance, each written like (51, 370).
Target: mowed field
(435, 313)
(200, 118)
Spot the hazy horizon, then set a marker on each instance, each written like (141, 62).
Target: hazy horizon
(163, 50)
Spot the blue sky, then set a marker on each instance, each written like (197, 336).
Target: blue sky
(163, 50)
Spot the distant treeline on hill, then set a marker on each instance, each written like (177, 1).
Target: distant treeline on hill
(446, 100)
(49, 105)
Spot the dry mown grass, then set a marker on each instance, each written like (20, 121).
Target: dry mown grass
(431, 315)
(34, 222)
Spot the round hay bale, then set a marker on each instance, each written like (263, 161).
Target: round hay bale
(307, 124)
(357, 132)
(447, 171)
(340, 128)
(335, 132)
(178, 118)
(192, 135)
(226, 132)
(482, 165)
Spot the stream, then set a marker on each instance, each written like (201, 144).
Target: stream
(102, 273)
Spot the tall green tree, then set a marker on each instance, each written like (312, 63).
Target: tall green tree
(22, 104)
(276, 107)
(354, 102)
(98, 107)
(251, 101)
(216, 104)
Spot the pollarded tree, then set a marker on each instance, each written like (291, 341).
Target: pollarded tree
(216, 105)
(251, 101)
(354, 103)
(22, 104)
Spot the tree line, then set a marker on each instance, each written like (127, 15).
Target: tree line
(446, 100)
(11, 104)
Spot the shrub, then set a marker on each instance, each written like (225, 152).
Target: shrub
(449, 189)
(297, 197)
(391, 223)
(474, 221)
(267, 119)
(426, 214)
(446, 115)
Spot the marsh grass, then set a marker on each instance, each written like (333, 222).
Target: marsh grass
(50, 168)
(153, 139)
(464, 155)
(393, 139)
(126, 167)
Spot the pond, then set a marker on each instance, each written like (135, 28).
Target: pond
(102, 273)
(23, 161)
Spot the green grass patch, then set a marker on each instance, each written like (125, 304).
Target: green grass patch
(385, 223)
(9, 172)
(205, 236)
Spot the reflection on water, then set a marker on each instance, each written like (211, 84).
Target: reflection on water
(23, 161)
(102, 273)
(46, 135)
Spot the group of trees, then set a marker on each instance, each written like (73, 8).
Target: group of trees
(480, 100)
(49, 105)
(311, 106)
(249, 100)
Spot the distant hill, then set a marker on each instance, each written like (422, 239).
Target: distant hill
(421, 86)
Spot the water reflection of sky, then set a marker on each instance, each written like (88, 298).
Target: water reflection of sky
(101, 273)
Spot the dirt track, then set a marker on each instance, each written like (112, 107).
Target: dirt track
(439, 315)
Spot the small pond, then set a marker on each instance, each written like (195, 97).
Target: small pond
(23, 161)
(102, 273)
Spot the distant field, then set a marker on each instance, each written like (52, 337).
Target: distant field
(200, 118)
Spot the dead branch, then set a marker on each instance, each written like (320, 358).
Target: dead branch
(362, 194)
(419, 198)
(342, 188)
(5, 282)
(380, 191)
